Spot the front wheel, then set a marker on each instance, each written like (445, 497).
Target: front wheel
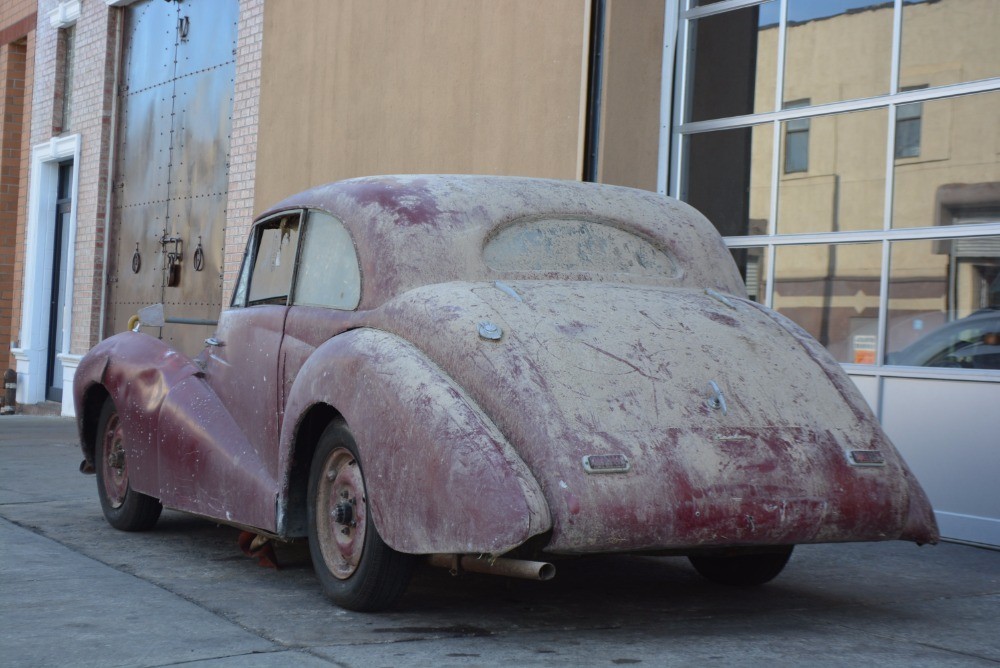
(123, 507)
(357, 570)
(743, 570)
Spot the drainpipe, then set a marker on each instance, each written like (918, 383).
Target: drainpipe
(595, 83)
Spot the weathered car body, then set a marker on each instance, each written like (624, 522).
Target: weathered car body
(525, 366)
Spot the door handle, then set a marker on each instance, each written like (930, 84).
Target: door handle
(213, 342)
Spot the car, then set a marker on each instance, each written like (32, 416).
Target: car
(972, 342)
(488, 374)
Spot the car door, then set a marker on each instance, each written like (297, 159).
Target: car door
(327, 292)
(241, 362)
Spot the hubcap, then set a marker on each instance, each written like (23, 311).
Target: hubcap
(115, 473)
(342, 515)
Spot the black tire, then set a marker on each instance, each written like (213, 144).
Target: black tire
(742, 570)
(355, 567)
(123, 507)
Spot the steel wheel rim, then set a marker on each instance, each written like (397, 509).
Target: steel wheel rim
(113, 468)
(341, 532)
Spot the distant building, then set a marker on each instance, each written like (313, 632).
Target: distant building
(848, 151)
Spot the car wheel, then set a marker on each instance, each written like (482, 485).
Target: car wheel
(742, 570)
(357, 570)
(123, 507)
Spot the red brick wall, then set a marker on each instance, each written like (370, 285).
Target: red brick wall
(17, 24)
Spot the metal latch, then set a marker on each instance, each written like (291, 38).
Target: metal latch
(174, 259)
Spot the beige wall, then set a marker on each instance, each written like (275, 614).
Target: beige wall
(354, 88)
(630, 114)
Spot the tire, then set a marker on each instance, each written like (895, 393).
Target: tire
(355, 567)
(742, 570)
(123, 507)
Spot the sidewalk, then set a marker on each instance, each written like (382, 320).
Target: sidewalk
(73, 591)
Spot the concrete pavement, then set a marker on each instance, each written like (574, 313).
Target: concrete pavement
(75, 591)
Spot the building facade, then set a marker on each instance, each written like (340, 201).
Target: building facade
(17, 54)
(847, 150)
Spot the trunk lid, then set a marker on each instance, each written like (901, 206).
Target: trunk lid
(733, 431)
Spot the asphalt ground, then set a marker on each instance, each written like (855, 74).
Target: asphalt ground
(74, 591)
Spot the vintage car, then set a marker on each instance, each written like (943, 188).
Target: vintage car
(489, 372)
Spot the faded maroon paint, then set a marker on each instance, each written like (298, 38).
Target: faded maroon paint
(440, 475)
(590, 368)
(412, 231)
(243, 371)
(181, 444)
(474, 445)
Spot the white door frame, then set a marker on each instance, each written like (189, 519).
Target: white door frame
(38, 251)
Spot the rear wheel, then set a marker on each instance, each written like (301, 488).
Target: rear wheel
(123, 507)
(742, 569)
(357, 570)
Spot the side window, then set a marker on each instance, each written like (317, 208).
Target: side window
(240, 291)
(328, 274)
(273, 262)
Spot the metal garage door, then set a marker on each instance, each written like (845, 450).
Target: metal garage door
(172, 163)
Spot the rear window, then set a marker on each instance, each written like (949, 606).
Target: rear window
(574, 246)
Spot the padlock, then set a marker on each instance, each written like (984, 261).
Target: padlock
(173, 270)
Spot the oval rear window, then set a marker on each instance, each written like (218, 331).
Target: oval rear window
(574, 246)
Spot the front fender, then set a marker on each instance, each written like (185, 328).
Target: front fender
(440, 476)
(137, 371)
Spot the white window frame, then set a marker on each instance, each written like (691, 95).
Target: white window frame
(671, 175)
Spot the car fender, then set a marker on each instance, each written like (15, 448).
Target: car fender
(921, 524)
(181, 444)
(137, 371)
(440, 476)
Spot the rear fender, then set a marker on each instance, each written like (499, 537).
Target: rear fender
(440, 476)
(921, 525)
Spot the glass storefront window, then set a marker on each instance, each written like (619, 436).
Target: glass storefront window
(944, 303)
(837, 50)
(752, 263)
(734, 63)
(949, 41)
(853, 192)
(951, 175)
(832, 291)
(833, 173)
(729, 178)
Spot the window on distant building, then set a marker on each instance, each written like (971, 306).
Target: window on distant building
(908, 121)
(797, 140)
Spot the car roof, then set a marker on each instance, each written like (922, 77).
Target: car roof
(414, 230)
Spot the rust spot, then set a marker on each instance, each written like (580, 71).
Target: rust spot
(413, 202)
(723, 319)
(572, 503)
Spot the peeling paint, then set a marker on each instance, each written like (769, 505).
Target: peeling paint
(473, 444)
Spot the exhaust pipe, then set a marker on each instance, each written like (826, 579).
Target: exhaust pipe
(512, 568)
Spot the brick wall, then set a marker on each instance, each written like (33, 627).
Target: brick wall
(243, 145)
(17, 25)
(12, 62)
(92, 92)
(93, 100)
